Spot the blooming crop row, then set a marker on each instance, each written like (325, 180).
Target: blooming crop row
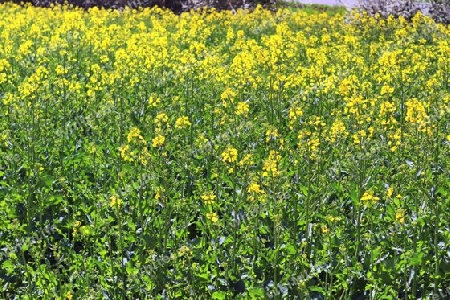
(219, 155)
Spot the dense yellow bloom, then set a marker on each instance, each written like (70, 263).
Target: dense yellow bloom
(255, 111)
(368, 196)
(242, 109)
(135, 133)
(212, 216)
(125, 153)
(229, 155)
(115, 202)
(182, 122)
(270, 164)
(313, 144)
(337, 130)
(161, 118)
(255, 188)
(416, 112)
(347, 85)
(158, 141)
(208, 198)
(386, 89)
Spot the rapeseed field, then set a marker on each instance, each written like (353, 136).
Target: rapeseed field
(212, 155)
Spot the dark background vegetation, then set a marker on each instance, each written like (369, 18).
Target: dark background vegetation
(176, 6)
(439, 10)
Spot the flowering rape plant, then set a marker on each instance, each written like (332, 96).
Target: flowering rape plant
(220, 155)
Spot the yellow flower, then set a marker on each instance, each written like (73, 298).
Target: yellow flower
(227, 95)
(154, 101)
(389, 191)
(69, 295)
(158, 141)
(135, 133)
(337, 130)
(313, 144)
(255, 192)
(208, 198)
(255, 188)
(386, 89)
(270, 165)
(416, 112)
(125, 153)
(294, 113)
(333, 219)
(184, 250)
(271, 135)
(247, 160)
(212, 216)
(229, 155)
(400, 216)
(115, 201)
(161, 118)
(159, 192)
(75, 228)
(182, 122)
(242, 109)
(368, 196)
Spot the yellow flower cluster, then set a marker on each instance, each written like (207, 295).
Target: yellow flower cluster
(212, 217)
(270, 165)
(158, 141)
(115, 202)
(229, 155)
(280, 86)
(182, 122)
(369, 196)
(208, 198)
(255, 192)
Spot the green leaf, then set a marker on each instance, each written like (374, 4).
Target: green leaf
(316, 289)
(219, 295)
(25, 246)
(290, 249)
(304, 190)
(8, 265)
(130, 270)
(203, 276)
(416, 259)
(256, 293)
